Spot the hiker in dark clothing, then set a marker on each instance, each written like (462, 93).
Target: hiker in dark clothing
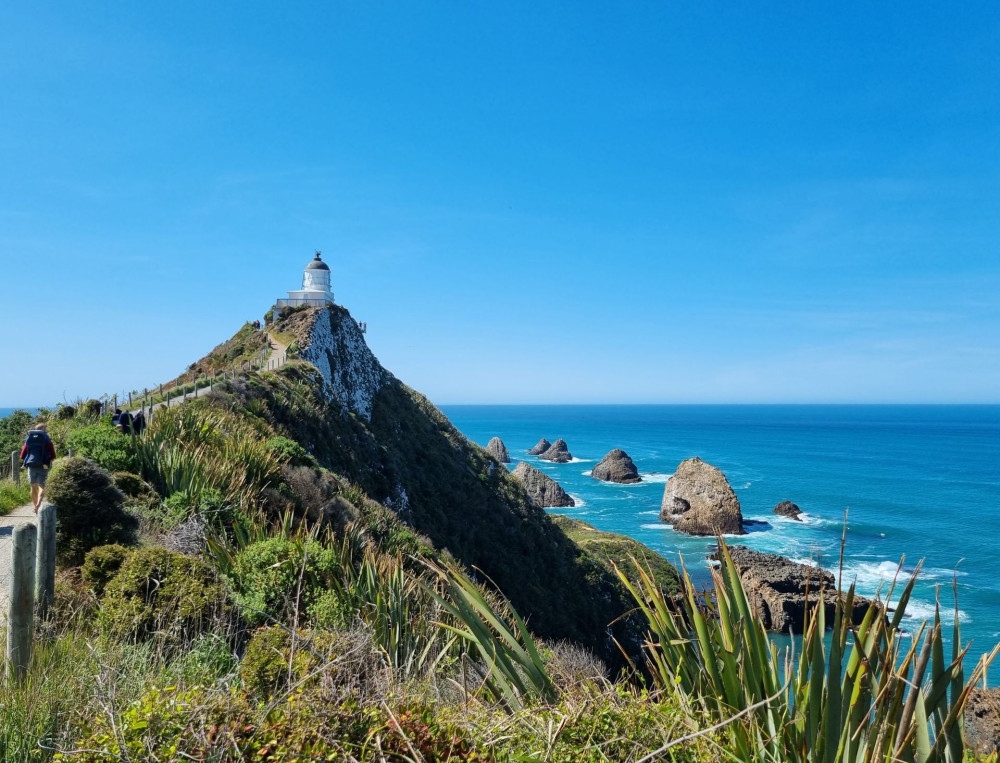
(117, 415)
(125, 422)
(37, 455)
(138, 423)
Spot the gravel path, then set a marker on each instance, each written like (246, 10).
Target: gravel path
(19, 516)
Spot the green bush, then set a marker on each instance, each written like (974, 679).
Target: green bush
(290, 452)
(91, 509)
(265, 578)
(156, 591)
(13, 429)
(139, 494)
(101, 564)
(104, 444)
(12, 496)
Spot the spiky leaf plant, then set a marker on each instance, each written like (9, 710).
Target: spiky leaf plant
(863, 698)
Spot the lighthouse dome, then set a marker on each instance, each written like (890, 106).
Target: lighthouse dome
(317, 263)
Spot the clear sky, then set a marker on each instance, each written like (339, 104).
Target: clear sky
(527, 202)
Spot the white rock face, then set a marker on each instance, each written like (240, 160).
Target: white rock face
(352, 375)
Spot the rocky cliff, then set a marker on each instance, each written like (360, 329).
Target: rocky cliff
(557, 453)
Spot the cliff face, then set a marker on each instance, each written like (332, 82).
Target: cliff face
(366, 426)
(352, 375)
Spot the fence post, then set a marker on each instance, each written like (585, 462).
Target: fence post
(21, 608)
(15, 468)
(45, 564)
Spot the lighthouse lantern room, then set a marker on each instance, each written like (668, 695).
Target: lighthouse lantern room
(315, 291)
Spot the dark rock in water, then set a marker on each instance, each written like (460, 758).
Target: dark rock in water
(558, 453)
(788, 509)
(498, 450)
(778, 589)
(616, 467)
(698, 500)
(543, 445)
(982, 721)
(542, 489)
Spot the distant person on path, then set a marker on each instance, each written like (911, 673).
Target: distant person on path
(125, 422)
(138, 423)
(117, 415)
(37, 455)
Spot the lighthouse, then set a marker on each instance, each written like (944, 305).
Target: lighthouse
(315, 291)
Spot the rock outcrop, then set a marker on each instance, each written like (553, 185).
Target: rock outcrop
(541, 488)
(698, 500)
(616, 467)
(982, 721)
(543, 445)
(498, 450)
(558, 453)
(788, 509)
(778, 589)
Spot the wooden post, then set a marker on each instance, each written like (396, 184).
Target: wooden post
(45, 564)
(21, 607)
(15, 468)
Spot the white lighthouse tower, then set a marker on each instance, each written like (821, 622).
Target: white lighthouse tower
(315, 291)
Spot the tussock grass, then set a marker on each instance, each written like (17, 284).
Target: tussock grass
(12, 496)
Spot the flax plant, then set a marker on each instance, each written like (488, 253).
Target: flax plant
(516, 672)
(865, 698)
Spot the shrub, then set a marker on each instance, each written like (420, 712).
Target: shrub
(139, 494)
(265, 577)
(290, 452)
(13, 429)
(335, 664)
(104, 444)
(12, 496)
(157, 591)
(90, 509)
(65, 412)
(101, 564)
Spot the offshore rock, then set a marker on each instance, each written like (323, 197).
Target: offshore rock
(698, 500)
(778, 590)
(616, 467)
(498, 450)
(558, 453)
(982, 721)
(543, 445)
(541, 488)
(788, 509)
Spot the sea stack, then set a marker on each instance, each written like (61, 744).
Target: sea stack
(542, 489)
(616, 467)
(558, 453)
(698, 500)
(788, 509)
(498, 450)
(543, 445)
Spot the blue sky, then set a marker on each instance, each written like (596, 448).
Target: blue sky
(636, 202)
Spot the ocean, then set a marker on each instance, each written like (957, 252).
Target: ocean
(918, 482)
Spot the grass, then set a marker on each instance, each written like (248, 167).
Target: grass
(12, 496)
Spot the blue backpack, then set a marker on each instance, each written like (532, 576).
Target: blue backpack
(38, 450)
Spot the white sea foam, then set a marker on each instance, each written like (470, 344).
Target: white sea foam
(576, 460)
(587, 473)
(657, 526)
(579, 501)
(746, 484)
(655, 477)
(651, 512)
(922, 610)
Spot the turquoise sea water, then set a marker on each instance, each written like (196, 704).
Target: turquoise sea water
(919, 481)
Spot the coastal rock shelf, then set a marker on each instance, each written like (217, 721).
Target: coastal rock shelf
(698, 500)
(542, 489)
(617, 466)
(778, 589)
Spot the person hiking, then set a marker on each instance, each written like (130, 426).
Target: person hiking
(37, 455)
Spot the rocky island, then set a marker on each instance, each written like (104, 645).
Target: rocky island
(557, 453)
(616, 467)
(698, 500)
(498, 450)
(544, 491)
